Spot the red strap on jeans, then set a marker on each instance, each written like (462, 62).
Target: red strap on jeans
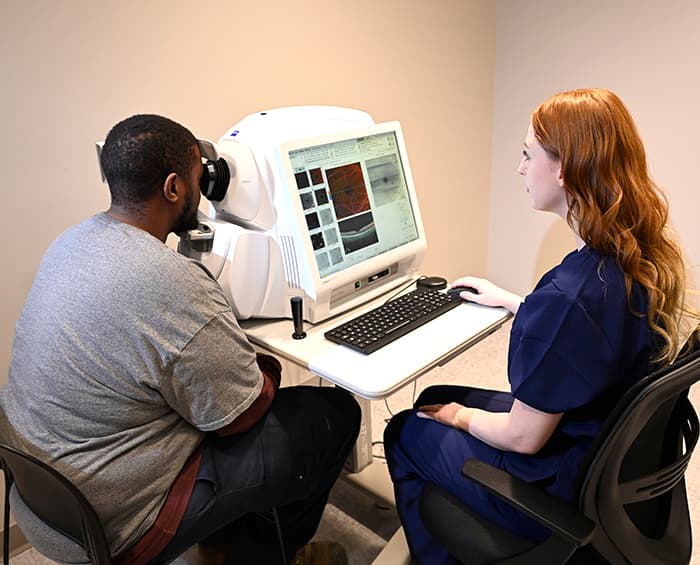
(163, 529)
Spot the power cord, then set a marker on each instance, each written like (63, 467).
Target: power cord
(402, 288)
(391, 415)
(413, 401)
(380, 456)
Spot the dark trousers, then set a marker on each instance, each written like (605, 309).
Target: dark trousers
(420, 450)
(288, 461)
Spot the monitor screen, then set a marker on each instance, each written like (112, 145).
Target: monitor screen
(355, 199)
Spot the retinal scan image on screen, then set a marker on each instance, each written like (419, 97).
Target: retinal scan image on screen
(354, 196)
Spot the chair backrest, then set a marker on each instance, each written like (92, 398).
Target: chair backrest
(53, 499)
(632, 483)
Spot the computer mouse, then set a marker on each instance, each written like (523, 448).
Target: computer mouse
(455, 291)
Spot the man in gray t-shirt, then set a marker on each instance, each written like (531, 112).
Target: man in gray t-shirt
(131, 376)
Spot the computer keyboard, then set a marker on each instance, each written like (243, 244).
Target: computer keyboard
(379, 327)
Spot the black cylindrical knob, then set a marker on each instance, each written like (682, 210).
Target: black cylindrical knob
(297, 317)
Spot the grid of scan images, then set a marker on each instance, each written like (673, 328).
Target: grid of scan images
(338, 208)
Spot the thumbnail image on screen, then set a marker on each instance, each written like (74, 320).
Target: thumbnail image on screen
(355, 199)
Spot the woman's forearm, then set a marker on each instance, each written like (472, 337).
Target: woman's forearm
(524, 429)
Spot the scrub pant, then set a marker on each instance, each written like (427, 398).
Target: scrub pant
(288, 461)
(421, 450)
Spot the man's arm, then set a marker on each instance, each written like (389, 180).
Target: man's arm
(272, 375)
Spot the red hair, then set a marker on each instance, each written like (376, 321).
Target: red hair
(613, 203)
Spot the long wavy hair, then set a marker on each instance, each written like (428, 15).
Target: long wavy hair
(614, 205)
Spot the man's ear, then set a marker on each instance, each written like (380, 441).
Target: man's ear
(170, 188)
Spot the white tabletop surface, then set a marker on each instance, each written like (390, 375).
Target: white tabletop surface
(381, 373)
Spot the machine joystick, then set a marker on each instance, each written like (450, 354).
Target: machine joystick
(297, 317)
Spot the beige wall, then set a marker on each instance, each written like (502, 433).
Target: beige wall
(72, 68)
(648, 51)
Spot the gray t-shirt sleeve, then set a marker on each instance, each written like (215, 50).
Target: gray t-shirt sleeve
(216, 376)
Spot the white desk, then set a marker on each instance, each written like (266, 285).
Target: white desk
(383, 372)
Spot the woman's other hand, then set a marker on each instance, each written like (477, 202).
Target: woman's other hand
(452, 414)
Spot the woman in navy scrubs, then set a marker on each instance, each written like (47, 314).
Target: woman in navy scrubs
(592, 326)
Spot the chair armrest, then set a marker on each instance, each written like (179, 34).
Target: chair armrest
(551, 511)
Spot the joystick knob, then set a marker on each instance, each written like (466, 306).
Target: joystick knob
(297, 313)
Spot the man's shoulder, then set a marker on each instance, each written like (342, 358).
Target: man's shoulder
(118, 258)
(95, 234)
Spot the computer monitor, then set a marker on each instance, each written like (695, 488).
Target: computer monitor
(338, 222)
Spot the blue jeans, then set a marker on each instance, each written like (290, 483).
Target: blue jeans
(288, 461)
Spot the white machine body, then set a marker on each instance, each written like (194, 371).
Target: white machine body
(261, 256)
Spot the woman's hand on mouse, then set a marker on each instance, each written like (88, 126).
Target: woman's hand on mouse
(489, 294)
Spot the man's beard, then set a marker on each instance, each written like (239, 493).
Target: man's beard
(188, 217)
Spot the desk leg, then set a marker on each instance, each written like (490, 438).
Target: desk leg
(361, 454)
(363, 471)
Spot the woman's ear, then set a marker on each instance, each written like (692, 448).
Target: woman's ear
(170, 188)
(560, 177)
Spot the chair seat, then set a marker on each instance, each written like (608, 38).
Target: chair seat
(54, 516)
(486, 541)
(46, 540)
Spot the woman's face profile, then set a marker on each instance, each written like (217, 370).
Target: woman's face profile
(542, 177)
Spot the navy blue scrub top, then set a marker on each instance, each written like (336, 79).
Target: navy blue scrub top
(576, 345)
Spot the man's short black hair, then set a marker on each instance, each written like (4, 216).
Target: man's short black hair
(140, 152)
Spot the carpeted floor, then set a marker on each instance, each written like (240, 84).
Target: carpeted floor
(362, 525)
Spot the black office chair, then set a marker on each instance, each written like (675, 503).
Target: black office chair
(42, 493)
(632, 506)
